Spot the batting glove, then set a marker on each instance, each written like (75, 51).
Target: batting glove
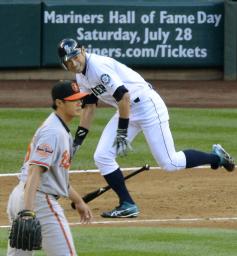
(121, 143)
(80, 135)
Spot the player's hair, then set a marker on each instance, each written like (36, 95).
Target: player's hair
(54, 106)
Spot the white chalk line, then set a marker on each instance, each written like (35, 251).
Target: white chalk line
(85, 171)
(161, 220)
(168, 221)
(97, 171)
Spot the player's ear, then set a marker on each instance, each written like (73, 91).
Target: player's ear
(58, 102)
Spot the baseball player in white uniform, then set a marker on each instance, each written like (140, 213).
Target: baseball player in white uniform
(139, 108)
(44, 175)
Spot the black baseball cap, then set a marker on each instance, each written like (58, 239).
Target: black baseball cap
(67, 90)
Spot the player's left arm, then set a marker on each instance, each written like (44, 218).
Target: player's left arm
(124, 106)
(82, 208)
(115, 87)
(122, 97)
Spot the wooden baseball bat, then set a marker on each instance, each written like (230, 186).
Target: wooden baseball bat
(94, 194)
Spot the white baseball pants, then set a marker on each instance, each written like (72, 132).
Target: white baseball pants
(149, 115)
(56, 235)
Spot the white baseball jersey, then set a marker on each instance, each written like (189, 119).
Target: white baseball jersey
(104, 75)
(148, 113)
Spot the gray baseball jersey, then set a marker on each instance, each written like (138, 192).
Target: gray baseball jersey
(51, 147)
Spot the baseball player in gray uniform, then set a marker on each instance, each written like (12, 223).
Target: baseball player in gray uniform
(44, 175)
(139, 108)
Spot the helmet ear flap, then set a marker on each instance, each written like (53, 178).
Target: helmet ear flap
(61, 55)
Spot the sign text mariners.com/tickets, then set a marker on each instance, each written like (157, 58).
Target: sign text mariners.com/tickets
(162, 34)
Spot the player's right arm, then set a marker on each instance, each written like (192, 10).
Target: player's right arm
(86, 117)
(32, 184)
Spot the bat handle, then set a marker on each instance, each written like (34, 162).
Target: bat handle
(102, 190)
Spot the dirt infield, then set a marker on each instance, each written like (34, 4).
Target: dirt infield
(196, 193)
(31, 93)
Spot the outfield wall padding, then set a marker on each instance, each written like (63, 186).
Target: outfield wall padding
(20, 40)
(230, 53)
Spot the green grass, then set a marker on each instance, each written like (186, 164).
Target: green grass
(147, 241)
(191, 128)
(155, 241)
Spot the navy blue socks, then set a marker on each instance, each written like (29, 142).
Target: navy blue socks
(116, 182)
(197, 158)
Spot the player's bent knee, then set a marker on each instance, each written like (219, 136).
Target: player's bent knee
(174, 162)
(105, 163)
(98, 159)
(101, 161)
(170, 167)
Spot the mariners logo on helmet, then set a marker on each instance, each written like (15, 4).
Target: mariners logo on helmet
(67, 49)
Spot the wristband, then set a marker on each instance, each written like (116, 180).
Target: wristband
(123, 123)
(80, 135)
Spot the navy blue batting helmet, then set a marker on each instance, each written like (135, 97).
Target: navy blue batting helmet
(67, 49)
